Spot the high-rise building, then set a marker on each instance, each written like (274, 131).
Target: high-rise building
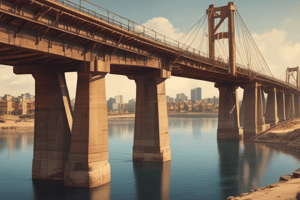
(131, 105)
(181, 97)
(196, 94)
(110, 103)
(170, 99)
(199, 93)
(119, 99)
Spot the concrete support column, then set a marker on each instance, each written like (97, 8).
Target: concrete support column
(250, 104)
(151, 132)
(88, 164)
(51, 127)
(228, 123)
(297, 104)
(289, 106)
(271, 115)
(281, 105)
(261, 125)
(254, 121)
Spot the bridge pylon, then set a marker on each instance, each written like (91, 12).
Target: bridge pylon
(290, 73)
(222, 13)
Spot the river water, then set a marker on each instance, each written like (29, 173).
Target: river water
(202, 167)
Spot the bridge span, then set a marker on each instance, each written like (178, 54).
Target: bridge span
(47, 38)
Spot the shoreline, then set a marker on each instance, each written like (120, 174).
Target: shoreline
(285, 135)
(14, 124)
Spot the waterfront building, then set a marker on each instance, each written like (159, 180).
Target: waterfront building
(181, 97)
(196, 94)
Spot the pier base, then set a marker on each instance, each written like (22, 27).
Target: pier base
(51, 128)
(87, 164)
(151, 132)
(228, 124)
(271, 115)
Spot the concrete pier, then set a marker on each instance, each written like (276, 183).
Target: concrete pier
(261, 124)
(289, 105)
(271, 115)
(52, 133)
(87, 164)
(151, 132)
(229, 122)
(281, 105)
(297, 104)
(254, 121)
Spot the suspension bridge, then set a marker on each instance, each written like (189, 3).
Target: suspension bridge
(47, 38)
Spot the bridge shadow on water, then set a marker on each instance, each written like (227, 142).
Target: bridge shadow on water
(152, 181)
(57, 191)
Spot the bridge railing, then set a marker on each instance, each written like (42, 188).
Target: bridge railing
(135, 28)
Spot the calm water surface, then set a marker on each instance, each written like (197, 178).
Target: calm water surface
(201, 167)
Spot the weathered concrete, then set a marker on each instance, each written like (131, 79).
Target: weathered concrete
(51, 129)
(289, 105)
(250, 117)
(88, 164)
(151, 132)
(271, 115)
(261, 125)
(229, 122)
(281, 105)
(254, 121)
(297, 104)
(242, 113)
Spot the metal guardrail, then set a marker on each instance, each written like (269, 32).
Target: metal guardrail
(143, 31)
(135, 28)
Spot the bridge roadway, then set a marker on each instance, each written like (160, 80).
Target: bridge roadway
(46, 39)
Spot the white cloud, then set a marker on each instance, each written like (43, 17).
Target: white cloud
(13, 84)
(278, 52)
(164, 27)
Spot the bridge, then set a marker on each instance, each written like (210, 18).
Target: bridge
(47, 38)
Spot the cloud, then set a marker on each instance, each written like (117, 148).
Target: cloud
(278, 52)
(163, 26)
(13, 84)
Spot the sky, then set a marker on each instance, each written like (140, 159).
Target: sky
(274, 26)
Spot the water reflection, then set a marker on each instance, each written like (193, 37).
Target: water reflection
(152, 180)
(242, 166)
(15, 141)
(51, 190)
(120, 128)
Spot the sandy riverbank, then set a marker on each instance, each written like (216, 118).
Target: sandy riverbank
(14, 123)
(286, 134)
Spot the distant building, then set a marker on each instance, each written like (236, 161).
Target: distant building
(19, 104)
(181, 97)
(131, 105)
(196, 94)
(119, 99)
(29, 96)
(115, 106)
(7, 97)
(110, 103)
(170, 99)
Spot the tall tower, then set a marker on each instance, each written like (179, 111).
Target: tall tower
(222, 13)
